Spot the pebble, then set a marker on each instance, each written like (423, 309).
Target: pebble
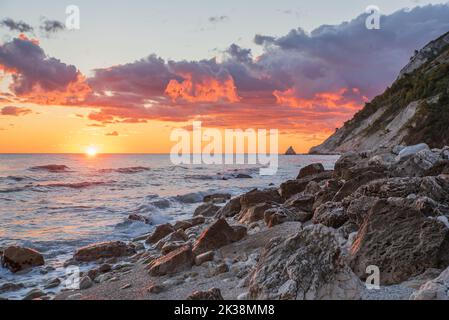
(76, 296)
(105, 267)
(53, 283)
(126, 286)
(85, 283)
(34, 294)
(156, 289)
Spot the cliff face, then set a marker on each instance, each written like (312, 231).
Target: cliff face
(414, 109)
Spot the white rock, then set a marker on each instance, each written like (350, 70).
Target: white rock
(436, 289)
(410, 150)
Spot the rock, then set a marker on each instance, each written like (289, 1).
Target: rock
(176, 261)
(436, 289)
(103, 250)
(358, 208)
(255, 197)
(217, 197)
(155, 289)
(76, 296)
(175, 237)
(306, 266)
(206, 210)
(212, 294)
(126, 286)
(17, 258)
(418, 164)
(204, 257)
(309, 170)
(411, 150)
(230, 209)
(328, 192)
(242, 176)
(300, 201)
(85, 283)
(217, 235)
(220, 269)
(9, 286)
(292, 187)
(439, 167)
(290, 151)
(276, 216)
(137, 217)
(354, 183)
(105, 267)
(254, 213)
(187, 224)
(160, 232)
(400, 241)
(53, 283)
(344, 163)
(34, 294)
(330, 214)
(171, 246)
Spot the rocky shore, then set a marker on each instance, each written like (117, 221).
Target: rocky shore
(318, 236)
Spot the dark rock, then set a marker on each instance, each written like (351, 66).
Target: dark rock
(137, 217)
(290, 151)
(217, 235)
(17, 258)
(113, 249)
(311, 169)
(206, 210)
(254, 213)
(293, 187)
(217, 197)
(230, 209)
(330, 214)
(160, 232)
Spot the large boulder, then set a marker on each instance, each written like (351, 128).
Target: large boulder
(217, 235)
(17, 258)
(309, 170)
(254, 213)
(436, 289)
(330, 214)
(411, 150)
(418, 164)
(354, 183)
(292, 187)
(344, 163)
(160, 232)
(306, 266)
(399, 240)
(103, 250)
(174, 262)
(327, 192)
(279, 215)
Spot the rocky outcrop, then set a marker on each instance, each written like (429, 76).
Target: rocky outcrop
(18, 258)
(290, 151)
(307, 266)
(217, 235)
(103, 250)
(309, 170)
(400, 240)
(175, 261)
(292, 187)
(330, 214)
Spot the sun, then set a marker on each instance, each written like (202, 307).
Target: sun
(91, 151)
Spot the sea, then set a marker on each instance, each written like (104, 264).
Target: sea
(56, 203)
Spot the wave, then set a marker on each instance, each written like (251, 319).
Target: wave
(127, 170)
(53, 168)
(74, 185)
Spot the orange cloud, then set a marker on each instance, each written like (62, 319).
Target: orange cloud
(208, 90)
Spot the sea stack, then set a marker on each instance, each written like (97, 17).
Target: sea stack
(290, 152)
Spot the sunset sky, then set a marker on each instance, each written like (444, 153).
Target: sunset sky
(135, 70)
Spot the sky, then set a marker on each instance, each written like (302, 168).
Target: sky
(135, 70)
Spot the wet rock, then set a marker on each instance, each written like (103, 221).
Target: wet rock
(160, 232)
(217, 197)
(9, 286)
(204, 257)
(85, 283)
(52, 283)
(187, 224)
(230, 209)
(306, 266)
(103, 250)
(34, 294)
(176, 261)
(436, 289)
(137, 217)
(309, 170)
(330, 214)
(17, 258)
(206, 210)
(401, 241)
(212, 294)
(292, 187)
(217, 235)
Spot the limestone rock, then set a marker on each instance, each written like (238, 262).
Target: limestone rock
(306, 266)
(401, 241)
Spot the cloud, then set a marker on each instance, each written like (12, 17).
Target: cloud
(51, 26)
(14, 111)
(39, 78)
(218, 19)
(19, 26)
(112, 134)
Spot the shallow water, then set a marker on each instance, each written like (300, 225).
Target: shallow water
(57, 203)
